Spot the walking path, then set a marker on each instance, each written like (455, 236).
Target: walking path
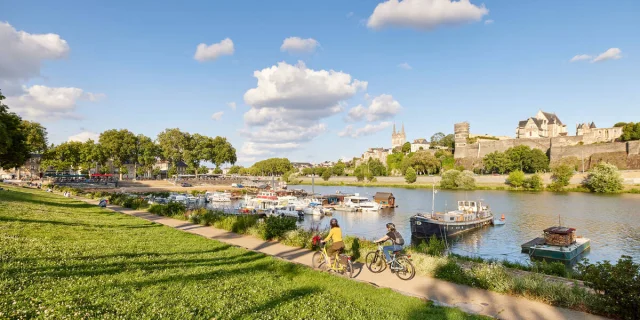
(444, 293)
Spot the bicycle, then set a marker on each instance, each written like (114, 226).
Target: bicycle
(400, 264)
(341, 264)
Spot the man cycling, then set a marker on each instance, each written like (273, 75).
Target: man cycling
(335, 234)
(396, 239)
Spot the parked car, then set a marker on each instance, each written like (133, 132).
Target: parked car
(184, 184)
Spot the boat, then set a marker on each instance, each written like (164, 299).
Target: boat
(315, 209)
(499, 222)
(267, 195)
(360, 203)
(385, 200)
(288, 211)
(470, 215)
(558, 243)
(218, 196)
(259, 206)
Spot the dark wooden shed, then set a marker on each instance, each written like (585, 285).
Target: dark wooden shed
(385, 199)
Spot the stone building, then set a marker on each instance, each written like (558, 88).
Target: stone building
(375, 153)
(418, 144)
(398, 138)
(543, 125)
(591, 134)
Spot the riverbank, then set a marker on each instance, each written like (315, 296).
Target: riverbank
(483, 182)
(65, 258)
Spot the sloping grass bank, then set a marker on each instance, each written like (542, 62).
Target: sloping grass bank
(61, 258)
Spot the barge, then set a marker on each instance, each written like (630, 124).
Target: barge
(558, 243)
(469, 216)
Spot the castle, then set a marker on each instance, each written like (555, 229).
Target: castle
(398, 138)
(543, 125)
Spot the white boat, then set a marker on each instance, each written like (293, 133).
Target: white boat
(289, 211)
(359, 203)
(218, 197)
(294, 201)
(315, 209)
(259, 206)
(178, 198)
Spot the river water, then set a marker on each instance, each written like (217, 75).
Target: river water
(612, 222)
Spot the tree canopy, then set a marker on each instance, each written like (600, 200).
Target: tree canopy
(14, 149)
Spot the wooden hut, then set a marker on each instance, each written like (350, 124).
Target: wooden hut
(385, 199)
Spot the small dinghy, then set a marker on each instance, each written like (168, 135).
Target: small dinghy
(499, 222)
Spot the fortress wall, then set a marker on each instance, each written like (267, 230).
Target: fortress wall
(633, 147)
(568, 141)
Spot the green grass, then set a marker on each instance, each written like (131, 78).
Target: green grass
(62, 258)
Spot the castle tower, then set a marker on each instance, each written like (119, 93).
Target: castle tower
(461, 131)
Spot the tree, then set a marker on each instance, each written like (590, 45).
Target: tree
(120, 145)
(538, 161)
(410, 175)
(448, 141)
(465, 180)
(376, 168)
(14, 150)
(235, 169)
(534, 182)
(36, 136)
(436, 138)
(92, 155)
(496, 162)
(205, 170)
(326, 175)
(338, 168)
(604, 178)
(516, 178)
(630, 131)
(561, 176)
(359, 172)
(174, 144)
(287, 176)
(424, 162)
(528, 160)
(406, 147)
(224, 152)
(65, 156)
(272, 166)
(619, 124)
(146, 153)
(394, 161)
(449, 179)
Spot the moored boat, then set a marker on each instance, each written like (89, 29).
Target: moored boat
(558, 243)
(359, 203)
(469, 215)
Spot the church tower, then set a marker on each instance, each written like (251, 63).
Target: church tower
(398, 138)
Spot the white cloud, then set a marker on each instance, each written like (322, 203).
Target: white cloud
(289, 102)
(489, 21)
(299, 45)
(232, 105)
(580, 57)
(46, 103)
(425, 14)
(93, 97)
(405, 66)
(611, 54)
(22, 53)
(84, 136)
(367, 130)
(214, 51)
(380, 108)
(216, 116)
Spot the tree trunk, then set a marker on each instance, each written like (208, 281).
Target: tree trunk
(135, 170)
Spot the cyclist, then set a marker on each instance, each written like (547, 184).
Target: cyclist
(395, 237)
(335, 235)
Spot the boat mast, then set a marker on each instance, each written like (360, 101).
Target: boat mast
(433, 197)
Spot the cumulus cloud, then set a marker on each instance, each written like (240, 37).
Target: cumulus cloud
(405, 66)
(611, 54)
(425, 14)
(489, 21)
(299, 45)
(380, 108)
(367, 130)
(22, 53)
(84, 136)
(214, 51)
(46, 103)
(216, 116)
(580, 57)
(232, 105)
(289, 102)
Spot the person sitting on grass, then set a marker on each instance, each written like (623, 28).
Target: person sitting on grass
(396, 239)
(335, 234)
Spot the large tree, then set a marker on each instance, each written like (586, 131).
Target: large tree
(36, 136)
(65, 156)
(424, 162)
(496, 162)
(147, 153)
(92, 155)
(14, 150)
(175, 144)
(436, 138)
(120, 145)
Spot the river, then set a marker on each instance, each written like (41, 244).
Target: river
(612, 222)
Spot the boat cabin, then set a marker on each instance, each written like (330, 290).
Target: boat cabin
(559, 236)
(385, 199)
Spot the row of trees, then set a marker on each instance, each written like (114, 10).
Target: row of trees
(422, 162)
(267, 167)
(522, 158)
(603, 178)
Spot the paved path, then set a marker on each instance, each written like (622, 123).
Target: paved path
(445, 293)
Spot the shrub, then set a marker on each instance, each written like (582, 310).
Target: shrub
(516, 178)
(410, 175)
(618, 286)
(561, 176)
(449, 179)
(359, 175)
(534, 182)
(326, 175)
(276, 227)
(195, 216)
(432, 246)
(465, 180)
(604, 178)
(173, 209)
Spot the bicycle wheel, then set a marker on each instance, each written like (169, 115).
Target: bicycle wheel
(375, 262)
(408, 271)
(348, 269)
(318, 261)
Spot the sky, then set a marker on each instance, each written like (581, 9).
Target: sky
(317, 80)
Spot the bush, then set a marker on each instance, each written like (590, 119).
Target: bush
(173, 209)
(516, 178)
(326, 175)
(561, 176)
(410, 175)
(276, 227)
(618, 286)
(465, 180)
(359, 175)
(432, 246)
(449, 179)
(534, 182)
(604, 178)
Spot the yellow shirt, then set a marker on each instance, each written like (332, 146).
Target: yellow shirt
(335, 234)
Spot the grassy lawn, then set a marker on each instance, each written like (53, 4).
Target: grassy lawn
(62, 258)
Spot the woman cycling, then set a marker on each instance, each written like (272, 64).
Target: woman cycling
(335, 235)
(395, 237)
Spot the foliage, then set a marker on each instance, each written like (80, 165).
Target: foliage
(436, 139)
(406, 147)
(120, 145)
(14, 150)
(496, 162)
(422, 162)
(67, 155)
(235, 169)
(449, 179)
(465, 180)
(561, 176)
(447, 162)
(36, 136)
(410, 175)
(276, 227)
(630, 131)
(618, 286)
(394, 161)
(286, 177)
(534, 182)
(516, 178)
(527, 160)
(604, 178)
(376, 168)
(172, 209)
(174, 144)
(432, 246)
(338, 168)
(205, 170)
(359, 174)
(326, 175)
(272, 166)
(146, 152)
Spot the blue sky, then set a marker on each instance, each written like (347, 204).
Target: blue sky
(137, 58)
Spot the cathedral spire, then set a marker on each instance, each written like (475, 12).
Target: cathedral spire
(403, 128)
(394, 128)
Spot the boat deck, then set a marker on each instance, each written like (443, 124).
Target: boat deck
(532, 243)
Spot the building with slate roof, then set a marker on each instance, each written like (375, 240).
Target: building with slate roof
(543, 125)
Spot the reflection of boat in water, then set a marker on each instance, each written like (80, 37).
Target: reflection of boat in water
(470, 215)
